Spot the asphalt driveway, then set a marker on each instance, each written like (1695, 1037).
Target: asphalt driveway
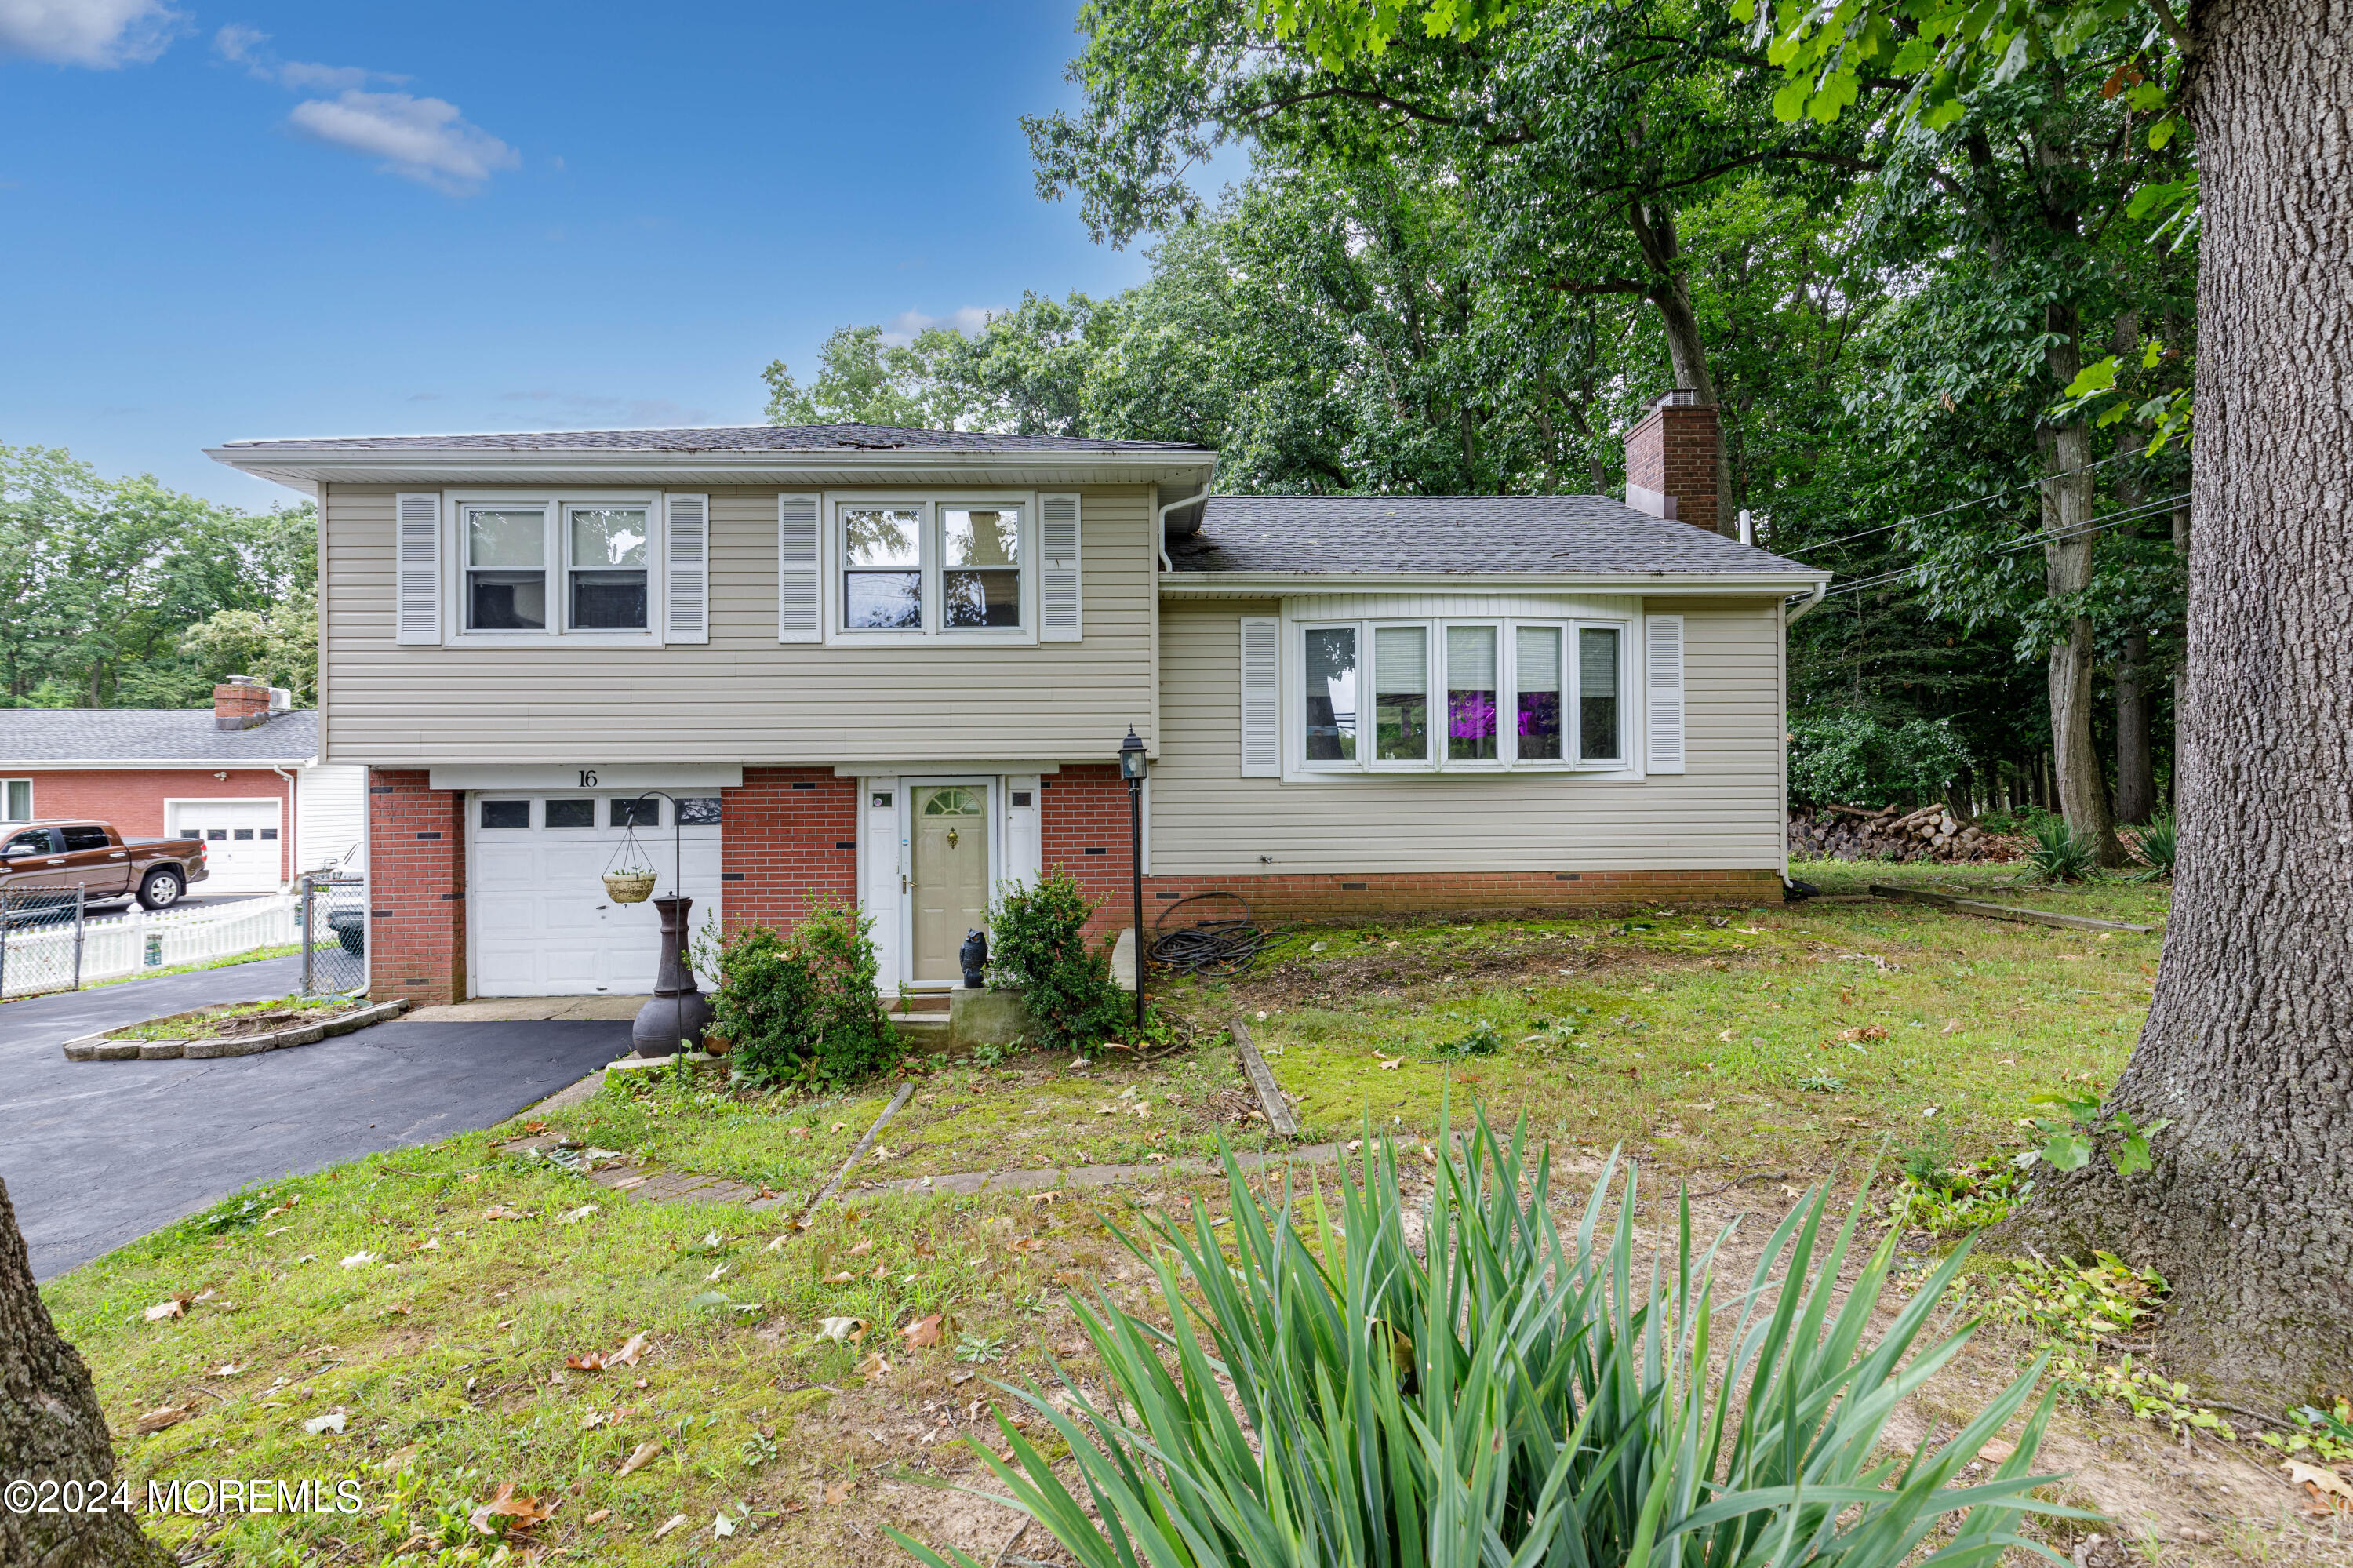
(99, 1153)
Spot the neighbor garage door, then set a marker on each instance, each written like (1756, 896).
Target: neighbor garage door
(241, 845)
(541, 923)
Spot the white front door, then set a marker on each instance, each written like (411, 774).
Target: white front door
(540, 921)
(242, 842)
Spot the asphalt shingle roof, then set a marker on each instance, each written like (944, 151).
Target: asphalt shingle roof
(31, 736)
(1325, 534)
(733, 438)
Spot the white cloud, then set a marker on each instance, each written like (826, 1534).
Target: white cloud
(421, 139)
(907, 325)
(245, 46)
(98, 33)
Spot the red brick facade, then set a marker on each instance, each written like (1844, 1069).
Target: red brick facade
(132, 798)
(1672, 450)
(1085, 810)
(417, 888)
(788, 837)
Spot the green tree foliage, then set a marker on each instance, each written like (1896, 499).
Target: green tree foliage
(120, 593)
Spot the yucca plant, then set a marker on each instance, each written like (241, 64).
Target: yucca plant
(2057, 853)
(2154, 846)
(1507, 1397)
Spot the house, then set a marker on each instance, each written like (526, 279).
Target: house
(895, 666)
(244, 774)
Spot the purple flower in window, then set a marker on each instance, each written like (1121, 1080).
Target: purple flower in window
(1471, 715)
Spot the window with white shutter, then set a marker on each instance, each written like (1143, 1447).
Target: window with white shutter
(797, 616)
(1059, 610)
(1262, 697)
(1663, 681)
(416, 571)
(686, 568)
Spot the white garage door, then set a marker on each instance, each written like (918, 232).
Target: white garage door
(241, 847)
(540, 922)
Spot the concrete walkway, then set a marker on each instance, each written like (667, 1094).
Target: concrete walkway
(96, 1154)
(529, 1009)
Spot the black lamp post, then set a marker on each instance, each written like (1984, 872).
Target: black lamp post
(1131, 767)
(688, 1009)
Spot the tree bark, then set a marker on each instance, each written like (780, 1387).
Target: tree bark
(2067, 570)
(1654, 231)
(2136, 771)
(51, 1429)
(2249, 1045)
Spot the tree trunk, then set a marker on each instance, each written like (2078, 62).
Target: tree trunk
(51, 1428)
(2067, 570)
(2136, 772)
(2249, 1045)
(1654, 231)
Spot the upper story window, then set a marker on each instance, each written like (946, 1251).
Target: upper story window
(1461, 695)
(923, 567)
(616, 567)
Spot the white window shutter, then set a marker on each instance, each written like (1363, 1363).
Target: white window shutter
(686, 569)
(1058, 617)
(1262, 697)
(797, 570)
(417, 570)
(1664, 676)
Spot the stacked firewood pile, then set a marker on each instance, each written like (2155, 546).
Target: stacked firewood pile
(1859, 832)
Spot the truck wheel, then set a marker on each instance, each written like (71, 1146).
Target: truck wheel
(161, 889)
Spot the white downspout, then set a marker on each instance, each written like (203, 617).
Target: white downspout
(293, 846)
(1160, 535)
(1789, 616)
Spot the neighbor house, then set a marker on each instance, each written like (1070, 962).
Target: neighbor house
(894, 667)
(243, 774)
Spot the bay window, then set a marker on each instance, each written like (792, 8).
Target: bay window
(1462, 695)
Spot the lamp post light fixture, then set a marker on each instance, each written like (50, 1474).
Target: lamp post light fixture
(1131, 767)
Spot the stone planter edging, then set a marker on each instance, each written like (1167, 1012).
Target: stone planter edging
(100, 1048)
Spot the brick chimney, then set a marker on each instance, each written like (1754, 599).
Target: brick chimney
(241, 703)
(1670, 460)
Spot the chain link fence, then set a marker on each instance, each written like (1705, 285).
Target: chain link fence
(41, 938)
(333, 921)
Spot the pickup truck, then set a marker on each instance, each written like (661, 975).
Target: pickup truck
(60, 855)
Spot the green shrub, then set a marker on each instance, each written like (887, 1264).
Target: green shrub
(2057, 853)
(1507, 1395)
(803, 1008)
(2153, 846)
(1036, 941)
(1851, 756)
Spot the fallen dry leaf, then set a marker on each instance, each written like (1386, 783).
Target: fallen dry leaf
(876, 1364)
(576, 1215)
(600, 1516)
(157, 1420)
(1390, 1063)
(1030, 1243)
(2325, 1484)
(840, 1127)
(841, 1330)
(598, 1361)
(1952, 1026)
(672, 1522)
(333, 1421)
(177, 1307)
(923, 1332)
(1995, 1452)
(640, 1456)
(500, 1212)
(843, 1277)
(1053, 1197)
(863, 1246)
(839, 1492)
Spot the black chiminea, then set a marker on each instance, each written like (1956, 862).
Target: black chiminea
(675, 1019)
(974, 955)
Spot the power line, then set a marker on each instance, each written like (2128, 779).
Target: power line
(2024, 541)
(1964, 505)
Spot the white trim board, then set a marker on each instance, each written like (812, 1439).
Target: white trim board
(625, 776)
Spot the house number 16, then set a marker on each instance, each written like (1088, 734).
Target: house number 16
(588, 778)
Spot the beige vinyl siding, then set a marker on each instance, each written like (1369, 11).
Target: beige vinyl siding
(744, 696)
(1724, 814)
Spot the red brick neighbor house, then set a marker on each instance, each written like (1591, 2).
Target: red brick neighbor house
(894, 667)
(244, 774)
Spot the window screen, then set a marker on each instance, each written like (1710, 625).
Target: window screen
(1400, 694)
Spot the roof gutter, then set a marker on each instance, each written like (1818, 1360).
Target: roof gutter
(347, 465)
(1790, 613)
(199, 764)
(1161, 536)
(1269, 584)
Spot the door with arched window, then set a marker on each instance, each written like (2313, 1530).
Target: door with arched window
(950, 890)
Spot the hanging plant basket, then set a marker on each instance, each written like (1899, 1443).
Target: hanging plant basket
(628, 886)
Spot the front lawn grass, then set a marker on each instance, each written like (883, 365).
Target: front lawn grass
(1792, 1042)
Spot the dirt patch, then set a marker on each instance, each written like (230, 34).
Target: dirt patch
(233, 1023)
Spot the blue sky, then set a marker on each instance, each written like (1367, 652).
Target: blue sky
(283, 220)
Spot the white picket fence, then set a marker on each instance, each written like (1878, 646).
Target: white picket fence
(114, 946)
